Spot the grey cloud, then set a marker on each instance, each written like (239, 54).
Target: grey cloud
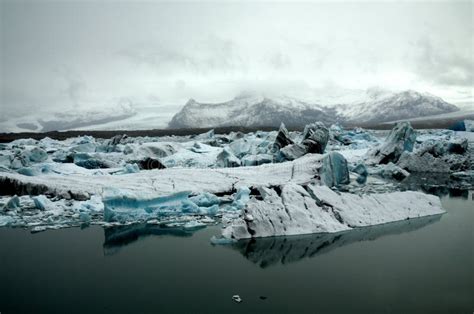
(443, 65)
(75, 84)
(203, 56)
(279, 60)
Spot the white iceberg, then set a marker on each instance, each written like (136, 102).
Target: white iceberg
(293, 209)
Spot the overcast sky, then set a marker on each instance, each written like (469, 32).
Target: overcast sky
(61, 55)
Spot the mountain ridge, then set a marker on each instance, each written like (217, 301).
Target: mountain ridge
(250, 110)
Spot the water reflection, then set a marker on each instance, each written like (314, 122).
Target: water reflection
(439, 184)
(120, 236)
(267, 252)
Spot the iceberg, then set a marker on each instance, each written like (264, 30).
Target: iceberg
(440, 155)
(315, 138)
(6, 220)
(362, 171)
(227, 159)
(401, 138)
(12, 204)
(334, 170)
(390, 171)
(294, 209)
(282, 139)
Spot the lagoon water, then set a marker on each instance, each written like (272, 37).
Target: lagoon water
(416, 266)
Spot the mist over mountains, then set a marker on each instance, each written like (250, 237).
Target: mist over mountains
(248, 109)
(377, 106)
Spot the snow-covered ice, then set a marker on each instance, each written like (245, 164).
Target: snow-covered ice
(256, 184)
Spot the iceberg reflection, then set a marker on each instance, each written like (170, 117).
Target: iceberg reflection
(120, 236)
(272, 251)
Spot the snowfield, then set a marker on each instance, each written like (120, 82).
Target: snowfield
(260, 184)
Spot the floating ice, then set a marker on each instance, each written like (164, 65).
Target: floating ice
(227, 159)
(361, 170)
(334, 171)
(440, 155)
(390, 171)
(401, 138)
(256, 160)
(6, 220)
(282, 139)
(293, 209)
(315, 137)
(12, 204)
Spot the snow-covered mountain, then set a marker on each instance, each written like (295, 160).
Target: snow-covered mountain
(383, 106)
(248, 109)
(375, 106)
(251, 110)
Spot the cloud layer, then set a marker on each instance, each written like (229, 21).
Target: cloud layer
(58, 56)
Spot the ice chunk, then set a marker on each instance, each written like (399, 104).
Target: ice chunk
(42, 203)
(12, 204)
(334, 171)
(255, 160)
(158, 149)
(240, 147)
(205, 200)
(36, 170)
(122, 205)
(241, 198)
(457, 146)
(361, 170)
(282, 139)
(438, 155)
(89, 161)
(35, 155)
(227, 159)
(84, 148)
(6, 220)
(150, 163)
(5, 161)
(222, 240)
(207, 135)
(93, 205)
(391, 171)
(113, 144)
(315, 137)
(84, 217)
(401, 138)
(129, 168)
(469, 125)
(193, 224)
(291, 152)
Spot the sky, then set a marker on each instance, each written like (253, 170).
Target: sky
(71, 55)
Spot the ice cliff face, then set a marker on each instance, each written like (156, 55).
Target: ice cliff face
(377, 106)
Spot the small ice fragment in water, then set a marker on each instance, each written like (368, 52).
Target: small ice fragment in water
(222, 240)
(237, 298)
(194, 225)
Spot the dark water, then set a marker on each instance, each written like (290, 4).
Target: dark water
(419, 266)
